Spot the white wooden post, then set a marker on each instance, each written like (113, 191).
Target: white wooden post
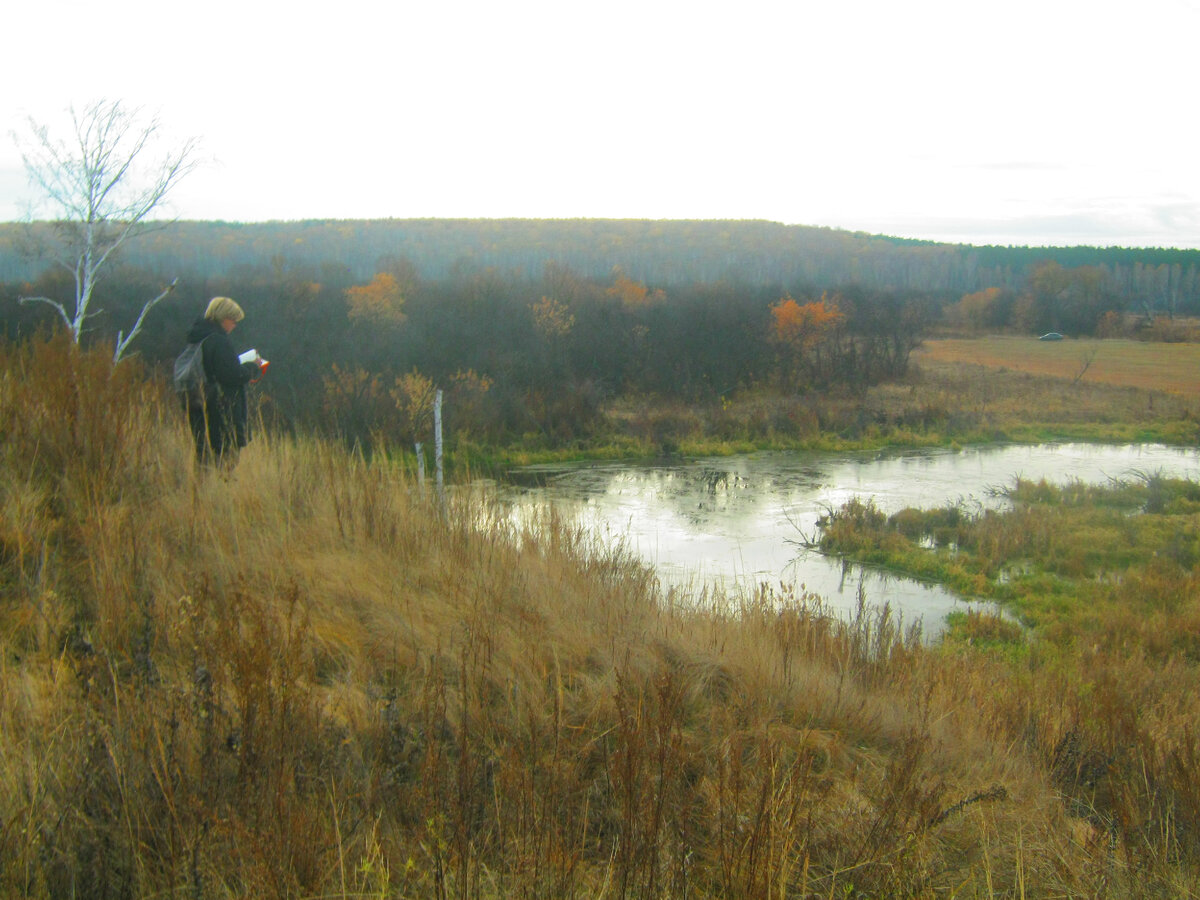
(437, 441)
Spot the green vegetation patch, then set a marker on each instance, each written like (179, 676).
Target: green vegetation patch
(1071, 560)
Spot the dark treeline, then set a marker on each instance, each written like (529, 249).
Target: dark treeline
(665, 253)
(532, 325)
(518, 357)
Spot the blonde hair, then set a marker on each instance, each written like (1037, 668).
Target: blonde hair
(221, 308)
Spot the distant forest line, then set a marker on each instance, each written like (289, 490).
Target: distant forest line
(533, 326)
(664, 253)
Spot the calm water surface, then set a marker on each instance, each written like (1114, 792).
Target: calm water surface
(738, 521)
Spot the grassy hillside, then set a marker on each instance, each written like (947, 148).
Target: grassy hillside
(305, 679)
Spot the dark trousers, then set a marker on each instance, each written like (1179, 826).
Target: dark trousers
(213, 430)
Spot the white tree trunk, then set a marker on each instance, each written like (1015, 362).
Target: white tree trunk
(90, 196)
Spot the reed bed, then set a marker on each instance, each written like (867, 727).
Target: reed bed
(307, 677)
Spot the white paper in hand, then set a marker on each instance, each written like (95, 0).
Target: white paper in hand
(248, 356)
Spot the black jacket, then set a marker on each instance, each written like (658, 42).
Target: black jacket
(222, 423)
(220, 359)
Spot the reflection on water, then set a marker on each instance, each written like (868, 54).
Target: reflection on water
(740, 521)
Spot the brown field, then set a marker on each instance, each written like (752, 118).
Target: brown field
(1174, 368)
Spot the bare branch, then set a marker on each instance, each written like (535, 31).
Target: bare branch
(61, 309)
(1085, 360)
(122, 341)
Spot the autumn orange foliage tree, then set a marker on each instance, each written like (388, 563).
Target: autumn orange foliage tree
(805, 335)
(632, 294)
(803, 327)
(379, 301)
(552, 319)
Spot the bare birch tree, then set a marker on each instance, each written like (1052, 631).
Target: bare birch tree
(99, 188)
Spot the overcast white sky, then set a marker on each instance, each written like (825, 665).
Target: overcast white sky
(1029, 121)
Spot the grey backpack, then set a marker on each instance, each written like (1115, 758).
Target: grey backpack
(190, 377)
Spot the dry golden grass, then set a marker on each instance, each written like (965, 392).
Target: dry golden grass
(1173, 368)
(308, 679)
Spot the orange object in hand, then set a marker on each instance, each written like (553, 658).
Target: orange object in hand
(262, 370)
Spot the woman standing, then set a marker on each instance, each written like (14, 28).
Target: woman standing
(219, 425)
